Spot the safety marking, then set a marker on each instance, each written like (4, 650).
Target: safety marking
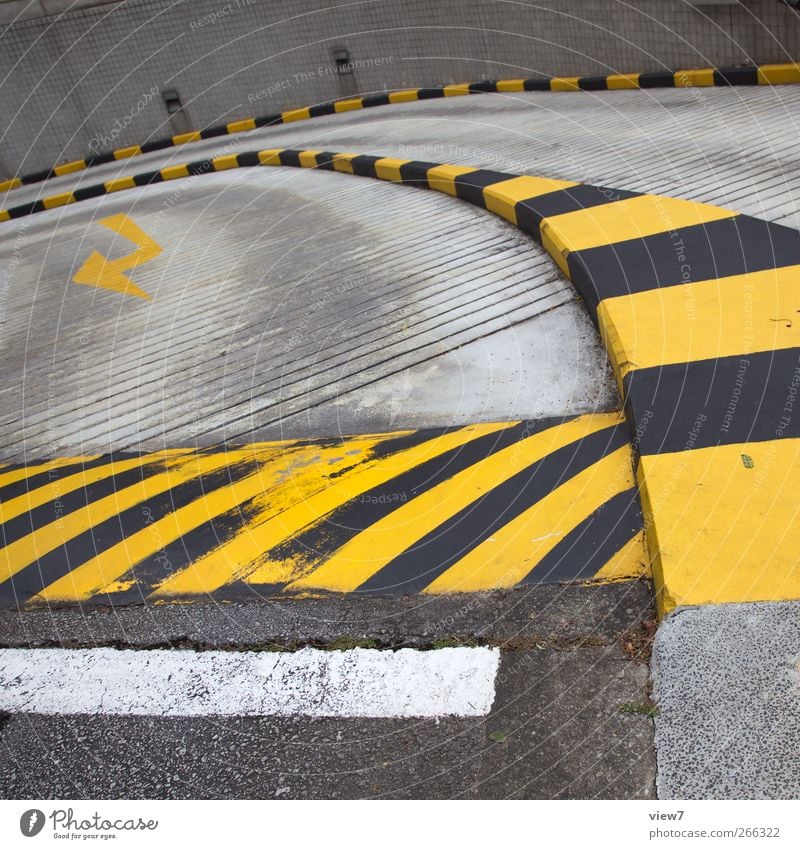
(104, 273)
(457, 681)
(696, 306)
(444, 510)
(780, 74)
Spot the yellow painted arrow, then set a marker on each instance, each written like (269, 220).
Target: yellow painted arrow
(106, 273)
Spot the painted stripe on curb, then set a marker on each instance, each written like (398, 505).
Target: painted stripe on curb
(780, 74)
(310, 682)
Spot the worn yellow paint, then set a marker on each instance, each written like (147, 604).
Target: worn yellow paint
(442, 177)
(46, 538)
(70, 167)
(297, 470)
(502, 198)
(388, 168)
(127, 152)
(698, 321)
(342, 162)
(456, 90)
(8, 185)
(513, 551)
(174, 172)
(348, 105)
(511, 85)
(58, 200)
(270, 157)
(308, 158)
(722, 532)
(694, 77)
(381, 542)
(287, 516)
(223, 163)
(631, 218)
(186, 138)
(241, 126)
(404, 96)
(564, 84)
(295, 115)
(779, 74)
(631, 561)
(622, 81)
(104, 273)
(119, 184)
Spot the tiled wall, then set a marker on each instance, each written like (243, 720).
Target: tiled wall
(82, 81)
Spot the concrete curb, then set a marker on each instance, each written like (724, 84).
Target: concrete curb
(774, 74)
(710, 409)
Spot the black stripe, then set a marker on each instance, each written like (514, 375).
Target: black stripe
(469, 187)
(530, 213)
(248, 159)
(269, 120)
(590, 545)
(157, 144)
(88, 192)
(77, 499)
(147, 178)
(202, 166)
(375, 100)
(37, 176)
(416, 173)
(483, 86)
(736, 76)
(321, 109)
(723, 401)
(25, 209)
(103, 159)
(319, 542)
(437, 551)
(364, 166)
(429, 93)
(290, 157)
(657, 79)
(593, 83)
(724, 248)
(54, 565)
(536, 85)
(214, 132)
(325, 160)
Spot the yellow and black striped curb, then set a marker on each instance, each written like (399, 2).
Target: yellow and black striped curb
(780, 74)
(696, 306)
(434, 511)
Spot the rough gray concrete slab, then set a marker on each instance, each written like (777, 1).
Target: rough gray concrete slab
(726, 679)
(556, 731)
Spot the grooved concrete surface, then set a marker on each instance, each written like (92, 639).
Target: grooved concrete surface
(726, 679)
(285, 303)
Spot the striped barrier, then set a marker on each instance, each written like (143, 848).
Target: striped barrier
(696, 307)
(780, 74)
(471, 508)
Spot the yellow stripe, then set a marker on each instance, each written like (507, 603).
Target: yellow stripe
(456, 90)
(502, 198)
(511, 85)
(778, 74)
(388, 168)
(442, 177)
(58, 200)
(723, 532)
(4, 215)
(173, 172)
(284, 468)
(295, 115)
(631, 218)
(308, 158)
(26, 550)
(223, 163)
(631, 561)
(127, 152)
(564, 84)
(14, 475)
(270, 157)
(342, 162)
(513, 551)
(348, 105)
(241, 126)
(364, 555)
(185, 138)
(70, 167)
(699, 321)
(404, 96)
(237, 558)
(8, 185)
(119, 184)
(694, 77)
(618, 81)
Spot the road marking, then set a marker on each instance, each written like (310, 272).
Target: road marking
(104, 273)
(311, 682)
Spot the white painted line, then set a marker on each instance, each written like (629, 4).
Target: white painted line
(310, 682)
